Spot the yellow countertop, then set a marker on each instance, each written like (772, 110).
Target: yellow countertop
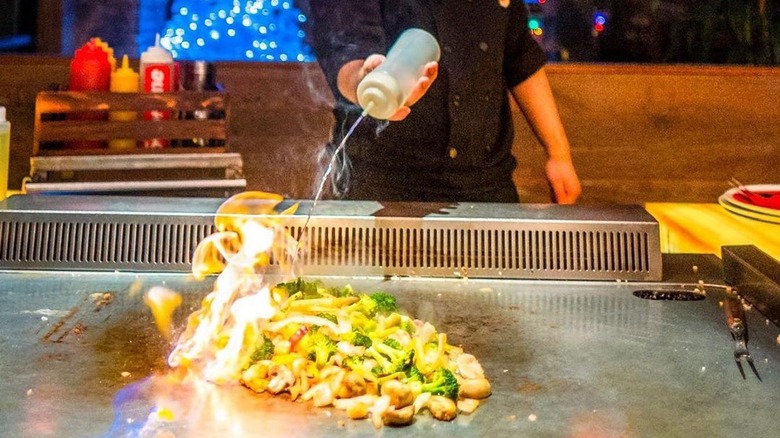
(704, 228)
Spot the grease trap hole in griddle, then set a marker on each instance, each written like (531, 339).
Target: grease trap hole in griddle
(668, 295)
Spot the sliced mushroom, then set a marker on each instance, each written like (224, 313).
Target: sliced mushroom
(399, 417)
(347, 349)
(468, 405)
(352, 385)
(378, 409)
(357, 411)
(474, 388)
(320, 394)
(256, 377)
(469, 367)
(442, 408)
(400, 393)
(421, 401)
(281, 380)
(347, 403)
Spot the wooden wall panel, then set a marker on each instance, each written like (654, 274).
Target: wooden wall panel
(660, 133)
(639, 133)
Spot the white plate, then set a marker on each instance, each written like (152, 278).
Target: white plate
(726, 203)
(729, 195)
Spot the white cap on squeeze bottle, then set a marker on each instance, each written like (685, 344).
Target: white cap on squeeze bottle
(387, 87)
(5, 125)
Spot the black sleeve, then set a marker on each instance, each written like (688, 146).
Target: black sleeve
(523, 55)
(345, 30)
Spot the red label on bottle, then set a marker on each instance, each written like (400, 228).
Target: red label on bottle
(158, 78)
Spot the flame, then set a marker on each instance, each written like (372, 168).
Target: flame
(235, 319)
(162, 302)
(219, 338)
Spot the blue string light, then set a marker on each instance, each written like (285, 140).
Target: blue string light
(234, 30)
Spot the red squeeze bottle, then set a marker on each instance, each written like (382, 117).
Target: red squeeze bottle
(90, 70)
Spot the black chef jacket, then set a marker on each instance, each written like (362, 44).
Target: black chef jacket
(456, 143)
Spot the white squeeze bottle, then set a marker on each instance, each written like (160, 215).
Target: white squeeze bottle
(157, 76)
(5, 151)
(387, 87)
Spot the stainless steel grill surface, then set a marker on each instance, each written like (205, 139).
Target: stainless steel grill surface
(343, 238)
(530, 290)
(565, 358)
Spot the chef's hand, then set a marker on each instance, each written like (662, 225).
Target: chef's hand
(352, 73)
(430, 72)
(563, 180)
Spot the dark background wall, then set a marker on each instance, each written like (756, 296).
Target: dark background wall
(115, 21)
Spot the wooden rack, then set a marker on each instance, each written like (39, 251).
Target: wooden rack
(66, 122)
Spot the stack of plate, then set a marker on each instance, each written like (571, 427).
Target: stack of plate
(763, 203)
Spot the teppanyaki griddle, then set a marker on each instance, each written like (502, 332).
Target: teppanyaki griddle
(80, 356)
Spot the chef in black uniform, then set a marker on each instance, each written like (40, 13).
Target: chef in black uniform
(455, 143)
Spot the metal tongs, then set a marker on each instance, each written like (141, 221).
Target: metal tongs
(735, 316)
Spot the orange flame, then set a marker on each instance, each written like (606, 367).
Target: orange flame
(219, 338)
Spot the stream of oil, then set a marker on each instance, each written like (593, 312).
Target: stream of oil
(328, 171)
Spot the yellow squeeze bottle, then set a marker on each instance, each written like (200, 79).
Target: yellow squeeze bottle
(123, 80)
(5, 151)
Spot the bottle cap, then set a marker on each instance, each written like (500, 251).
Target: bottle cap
(382, 92)
(2, 114)
(157, 52)
(374, 102)
(124, 78)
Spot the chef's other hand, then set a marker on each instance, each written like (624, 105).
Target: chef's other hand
(430, 73)
(563, 180)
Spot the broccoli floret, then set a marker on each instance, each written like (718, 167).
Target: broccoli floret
(385, 303)
(391, 342)
(376, 303)
(308, 289)
(360, 321)
(413, 374)
(407, 325)
(322, 347)
(355, 363)
(443, 382)
(364, 305)
(378, 371)
(264, 351)
(329, 316)
(391, 359)
(342, 292)
(360, 340)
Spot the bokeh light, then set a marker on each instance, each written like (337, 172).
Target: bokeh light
(236, 30)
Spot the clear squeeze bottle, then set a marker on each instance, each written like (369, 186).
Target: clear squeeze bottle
(387, 87)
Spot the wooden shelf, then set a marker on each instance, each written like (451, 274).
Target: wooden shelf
(64, 120)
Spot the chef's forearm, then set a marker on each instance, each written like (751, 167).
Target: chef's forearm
(536, 101)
